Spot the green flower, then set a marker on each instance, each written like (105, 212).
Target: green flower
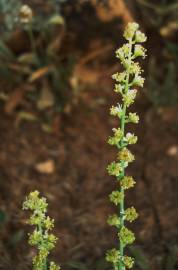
(114, 168)
(113, 256)
(128, 262)
(113, 220)
(53, 266)
(33, 202)
(138, 81)
(131, 138)
(119, 77)
(116, 197)
(131, 214)
(35, 238)
(118, 134)
(49, 223)
(116, 111)
(127, 182)
(133, 118)
(129, 98)
(125, 155)
(40, 237)
(135, 69)
(130, 30)
(118, 88)
(140, 37)
(126, 236)
(139, 50)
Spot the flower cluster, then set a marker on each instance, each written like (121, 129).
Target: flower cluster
(126, 85)
(25, 14)
(41, 237)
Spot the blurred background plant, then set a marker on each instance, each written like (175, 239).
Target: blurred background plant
(162, 16)
(34, 69)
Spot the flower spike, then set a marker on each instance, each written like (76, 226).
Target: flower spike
(125, 84)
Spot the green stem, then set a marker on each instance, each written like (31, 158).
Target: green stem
(45, 264)
(121, 205)
(32, 42)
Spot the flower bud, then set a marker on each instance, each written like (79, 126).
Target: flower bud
(130, 30)
(140, 37)
(25, 14)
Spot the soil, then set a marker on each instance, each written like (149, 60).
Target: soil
(78, 186)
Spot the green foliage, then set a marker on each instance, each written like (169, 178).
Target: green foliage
(141, 260)
(42, 63)
(41, 237)
(125, 81)
(162, 82)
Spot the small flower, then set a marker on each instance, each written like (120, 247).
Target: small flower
(130, 30)
(40, 237)
(33, 202)
(114, 168)
(131, 214)
(135, 68)
(113, 256)
(116, 197)
(125, 155)
(116, 111)
(119, 77)
(120, 54)
(129, 98)
(131, 138)
(138, 81)
(35, 238)
(118, 134)
(133, 118)
(128, 262)
(25, 14)
(49, 223)
(53, 266)
(126, 236)
(113, 220)
(139, 50)
(127, 182)
(118, 88)
(140, 37)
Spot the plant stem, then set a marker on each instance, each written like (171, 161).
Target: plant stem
(32, 42)
(121, 205)
(45, 264)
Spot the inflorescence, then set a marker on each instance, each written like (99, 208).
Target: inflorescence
(126, 81)
(41, 237)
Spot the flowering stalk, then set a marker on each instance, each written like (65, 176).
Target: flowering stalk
(41, 236)
(26, 19)
(125, 81)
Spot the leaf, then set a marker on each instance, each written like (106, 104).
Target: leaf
(46, 167)
(102, 264)
(40, 73)
(27, 116)
(27, 58)
(47, 128)
(17, 237)
(5, 52)
(56, 19)
(14, 100)
(3, 217)
(46, 98)
(140, 258)
(171, 259)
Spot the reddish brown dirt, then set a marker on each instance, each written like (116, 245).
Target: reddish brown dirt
(77, 190)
